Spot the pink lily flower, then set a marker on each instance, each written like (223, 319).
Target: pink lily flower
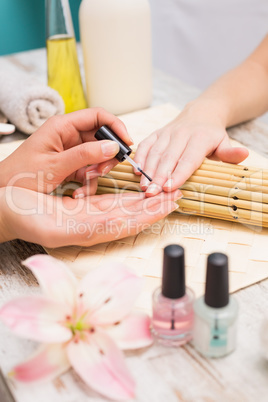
(82, 324)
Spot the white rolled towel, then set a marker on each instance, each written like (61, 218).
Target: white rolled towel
(26, 102)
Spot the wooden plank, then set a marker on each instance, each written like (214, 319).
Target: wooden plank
(5, 393)
(13, 277)
(11, 255)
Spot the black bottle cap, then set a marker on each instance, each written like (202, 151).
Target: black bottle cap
(217, 282)
(173, 280)
(105, 133)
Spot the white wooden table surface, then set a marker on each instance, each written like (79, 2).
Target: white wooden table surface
(162, 374)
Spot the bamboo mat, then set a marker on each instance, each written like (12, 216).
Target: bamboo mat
(246, 246)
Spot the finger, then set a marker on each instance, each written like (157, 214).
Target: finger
(87, 153)
(129, 202)
(89, 173)
(87, 121)
(226, 153)
(105, 167)
(143, 150)
(153, 159)
(134, 195)
(190, 160)
(100, 169)
(167, 164)
(89, 188)
(79, 175)
(146, 215)
(135, 207)
(103, 201)
(118, 201)
(121, 226)
(120, 220)
(92, 171)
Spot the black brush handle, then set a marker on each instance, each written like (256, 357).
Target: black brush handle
(105, 133)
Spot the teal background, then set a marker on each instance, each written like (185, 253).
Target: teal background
(22, 24)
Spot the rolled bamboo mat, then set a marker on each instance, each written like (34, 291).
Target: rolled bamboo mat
(219, 190)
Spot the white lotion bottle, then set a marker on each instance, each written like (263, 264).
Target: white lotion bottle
(117, 51)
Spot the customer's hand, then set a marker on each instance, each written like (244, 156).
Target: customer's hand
(60, 221)
(171, 154)
(62, 148)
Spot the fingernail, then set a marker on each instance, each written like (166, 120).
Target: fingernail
(136, 170)
(175, 206)
(168, 183)
(110, 148)
(92, 175)
(178, 195)
(153, 189)
(79, 195)
(106, 170)
(131, 139)
(145, 184)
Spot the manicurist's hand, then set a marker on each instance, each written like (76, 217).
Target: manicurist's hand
(171, 154)
(62, 149)
(60, 221)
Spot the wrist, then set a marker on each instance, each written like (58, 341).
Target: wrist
(207, 110)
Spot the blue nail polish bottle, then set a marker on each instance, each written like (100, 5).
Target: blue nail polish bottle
(216, 312)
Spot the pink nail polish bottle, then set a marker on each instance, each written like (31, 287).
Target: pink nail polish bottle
(173, 315)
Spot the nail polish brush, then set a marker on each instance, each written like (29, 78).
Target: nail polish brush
(105, 133)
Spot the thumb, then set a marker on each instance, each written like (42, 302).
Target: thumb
(226, 153)
(84, 154)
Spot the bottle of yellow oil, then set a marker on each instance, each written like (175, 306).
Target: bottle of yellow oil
(62, 62)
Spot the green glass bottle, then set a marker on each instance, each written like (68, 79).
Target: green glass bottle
(62, 63)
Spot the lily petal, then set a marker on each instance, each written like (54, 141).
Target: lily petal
(36, 318)
(101, 365)
(133, 332)
(55, 278)
(108, 293)
(47, 363)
